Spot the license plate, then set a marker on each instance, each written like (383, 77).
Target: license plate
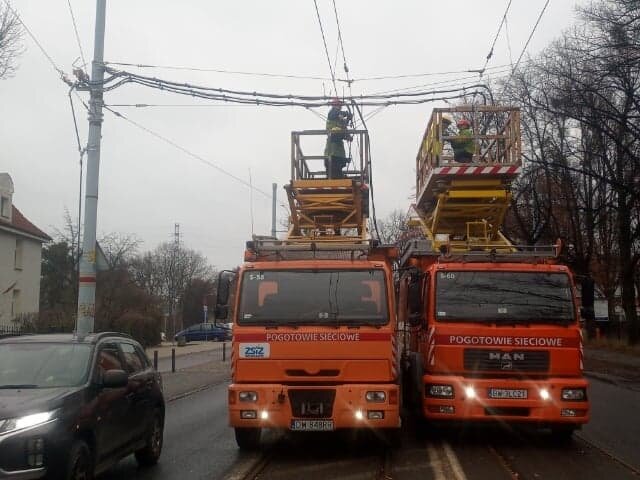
(517, 393)
(312, 425)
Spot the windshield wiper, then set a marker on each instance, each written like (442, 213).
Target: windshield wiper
(9, 386)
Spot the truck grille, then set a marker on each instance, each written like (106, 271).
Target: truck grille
(312, 403)
(506, 361)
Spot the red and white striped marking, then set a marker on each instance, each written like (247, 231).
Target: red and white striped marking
(431, 342)
(395, 357)
(581, 351)
(478, 170)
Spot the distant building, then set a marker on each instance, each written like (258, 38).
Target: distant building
(20, 258)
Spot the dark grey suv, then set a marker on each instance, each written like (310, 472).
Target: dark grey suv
(71, 407)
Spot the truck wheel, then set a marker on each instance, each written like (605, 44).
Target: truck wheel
(248, 438)
(562, 433)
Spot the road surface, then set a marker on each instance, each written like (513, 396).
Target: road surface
(199, 445)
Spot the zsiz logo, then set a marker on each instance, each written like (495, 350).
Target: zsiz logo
(254, 351)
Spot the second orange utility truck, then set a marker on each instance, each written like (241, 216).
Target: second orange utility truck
(491, 328)
(314, 330)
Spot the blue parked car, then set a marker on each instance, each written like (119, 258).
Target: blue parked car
(205, 332)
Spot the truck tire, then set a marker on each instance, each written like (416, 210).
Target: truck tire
(248, 438)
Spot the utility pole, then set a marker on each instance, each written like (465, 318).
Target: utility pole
(174, 273)
(87, 278)
(274, 187)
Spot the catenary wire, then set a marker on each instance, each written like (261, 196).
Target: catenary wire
(186, 151)
(75, 29)
(35, 40)
(533, 30)
(495, 39)
(326, 49)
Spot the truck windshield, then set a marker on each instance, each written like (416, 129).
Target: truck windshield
(313, 297)
(504, 297)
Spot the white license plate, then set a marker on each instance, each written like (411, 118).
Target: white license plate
(312, 425)
(517, 393)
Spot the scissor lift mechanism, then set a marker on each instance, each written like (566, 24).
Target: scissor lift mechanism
(328, 210)
(463, 205)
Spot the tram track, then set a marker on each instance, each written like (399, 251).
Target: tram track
(606, 452)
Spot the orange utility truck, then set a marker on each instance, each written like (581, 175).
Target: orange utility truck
(314, 328)
(491, 328)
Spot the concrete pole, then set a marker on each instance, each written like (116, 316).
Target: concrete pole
(87, 278)
(274, 186)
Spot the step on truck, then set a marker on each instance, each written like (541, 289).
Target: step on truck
(314, 329)
(491, 329)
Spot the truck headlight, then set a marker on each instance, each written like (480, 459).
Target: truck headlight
(377, 397)
(248, 396)
(442, 391)
(27, 421)
(574, 394)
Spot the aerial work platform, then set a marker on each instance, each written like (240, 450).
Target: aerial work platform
(325, 209)
(463, 205)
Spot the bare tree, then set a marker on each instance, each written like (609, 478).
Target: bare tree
(392, 227)
(581, 119)
(11, 33)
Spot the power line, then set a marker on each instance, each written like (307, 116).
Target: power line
(326, 50)
(188, 152)
(341, 43)
(495, 39)
(291, 75)
(219, 70)
(33, 37)
(271, 99)
(531, 35)
(75, 28)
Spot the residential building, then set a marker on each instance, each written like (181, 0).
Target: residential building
(20, 258)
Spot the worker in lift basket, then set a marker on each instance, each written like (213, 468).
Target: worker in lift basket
(463, 147)
(337, 123)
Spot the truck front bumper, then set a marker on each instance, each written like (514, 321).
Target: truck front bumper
(511, 400)
(314, 407)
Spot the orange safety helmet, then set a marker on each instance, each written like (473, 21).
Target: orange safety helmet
(463, 122)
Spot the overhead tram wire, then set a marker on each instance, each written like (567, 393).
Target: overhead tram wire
(218, 70)
(524, 49)
(271, 99)
(187, 152)
(75, 28)
(495, 39)
(35, 40)
(326, 50)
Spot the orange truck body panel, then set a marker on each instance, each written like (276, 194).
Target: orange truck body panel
(442, 345)
(306, 360)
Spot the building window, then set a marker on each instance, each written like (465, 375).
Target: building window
(15, 303)
(17, 263)
(4, 207)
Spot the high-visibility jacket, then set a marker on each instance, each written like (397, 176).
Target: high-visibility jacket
(337, 123)
(463, 144)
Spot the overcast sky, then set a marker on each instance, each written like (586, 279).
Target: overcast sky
(147, 185)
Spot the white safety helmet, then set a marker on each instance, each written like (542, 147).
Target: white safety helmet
(446, 118)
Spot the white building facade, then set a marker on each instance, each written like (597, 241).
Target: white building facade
(20, 259)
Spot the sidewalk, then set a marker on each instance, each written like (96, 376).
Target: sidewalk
(164, 350)
(611, 366)
(193, 379)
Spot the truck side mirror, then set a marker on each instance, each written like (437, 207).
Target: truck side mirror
(224, 287)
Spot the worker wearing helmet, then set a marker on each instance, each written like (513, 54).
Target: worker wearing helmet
(463, 146)
(337, 124)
